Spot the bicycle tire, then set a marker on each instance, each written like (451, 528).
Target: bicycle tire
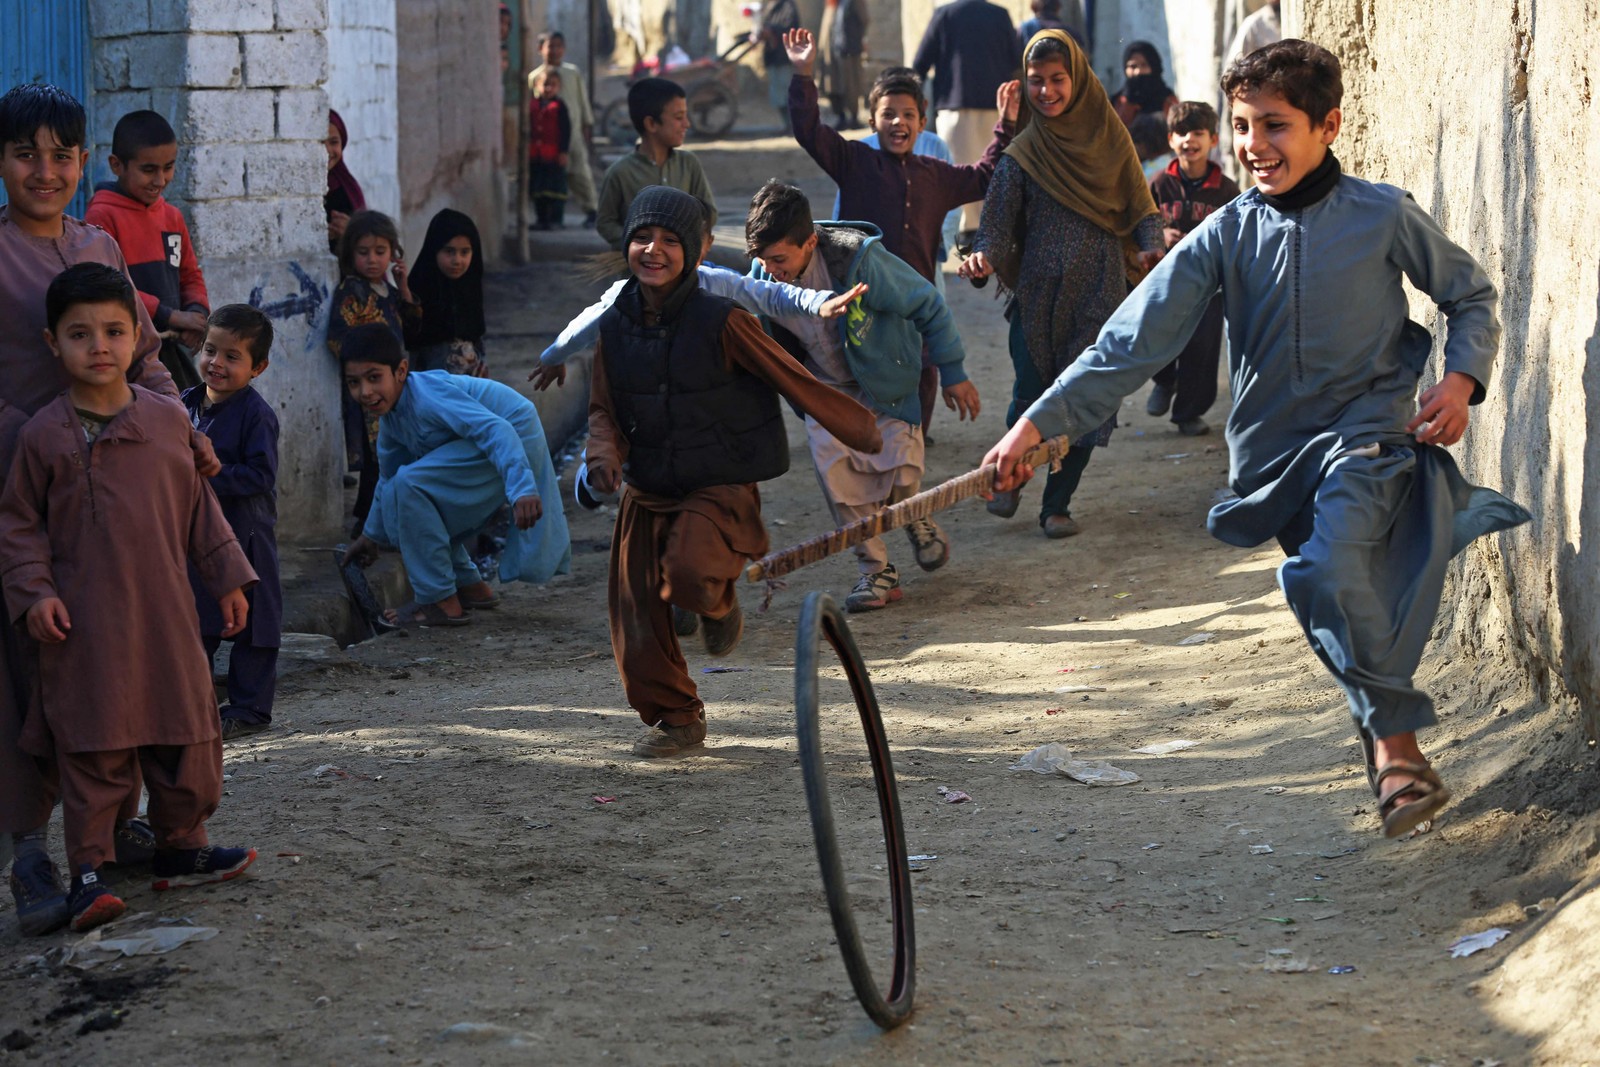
(713, 109)
(820, 618)
(616, 125)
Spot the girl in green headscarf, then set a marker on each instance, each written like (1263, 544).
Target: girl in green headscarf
(1068, 224)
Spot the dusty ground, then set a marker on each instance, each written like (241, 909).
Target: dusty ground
(435, 852)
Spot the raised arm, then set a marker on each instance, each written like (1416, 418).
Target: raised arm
(759, 296)
(582, 331)
(821, 142)
(964, 184)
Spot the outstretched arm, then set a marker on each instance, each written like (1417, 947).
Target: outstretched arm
(744, 344)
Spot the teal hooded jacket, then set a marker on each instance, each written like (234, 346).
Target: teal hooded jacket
(885, 329)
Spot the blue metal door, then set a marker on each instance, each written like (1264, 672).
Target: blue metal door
(47, 41)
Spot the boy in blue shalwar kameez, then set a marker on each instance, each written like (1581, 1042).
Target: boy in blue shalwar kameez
(452, 450)
(1332, 451)
(243, 429)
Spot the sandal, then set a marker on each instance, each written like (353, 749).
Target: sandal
(429, 615)
(488, 603)
(1428, 794)
(1367, 750)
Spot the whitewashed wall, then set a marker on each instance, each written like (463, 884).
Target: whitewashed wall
(361, 87)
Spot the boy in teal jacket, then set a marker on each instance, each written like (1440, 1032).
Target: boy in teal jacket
(872, 353)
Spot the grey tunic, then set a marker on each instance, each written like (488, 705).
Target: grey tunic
(1323, 362)
(1071, 275)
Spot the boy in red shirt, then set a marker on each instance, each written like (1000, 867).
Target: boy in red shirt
(153, 236)
(549, 144)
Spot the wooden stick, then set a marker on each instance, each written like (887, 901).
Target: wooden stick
(925, 503)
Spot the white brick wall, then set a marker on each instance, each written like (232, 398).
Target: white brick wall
(295, 58)
(362, 88)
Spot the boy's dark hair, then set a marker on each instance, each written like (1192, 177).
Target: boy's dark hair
(1045, 7)
(250, 325)
(551, 35)
(648, 97)
(778, 212)
(1307, 75)
(88, 283)
(138, 130)
(897, 80)
(372, 343)
(27, 107)
(1047, 49)
(366, 224)
(1189, 116)
(1149, 135)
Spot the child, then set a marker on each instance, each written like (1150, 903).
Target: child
(1191, 188)
(684, 407)
(153, 237)
(660, 112)
(42, 132)
(369, 256)
(549, 144)
(122, 686)
(448, 283)
(1330, 452)
(1144, 89)
(244, 430)
(574, 93)
(344, 196)
(874, 355)
(452, 450)
(1068, 210)
(904, 194)
(1149, 135)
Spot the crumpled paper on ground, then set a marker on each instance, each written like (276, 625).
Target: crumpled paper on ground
(107, 944)
(1470, 943)
(1056, 758)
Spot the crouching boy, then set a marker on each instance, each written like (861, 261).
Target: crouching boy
(684, 409)
(102, 513)
(1333, 453)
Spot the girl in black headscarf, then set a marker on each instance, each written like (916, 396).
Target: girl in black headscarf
(448, 281)
(1145, 89)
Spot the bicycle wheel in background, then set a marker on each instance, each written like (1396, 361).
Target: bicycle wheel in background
(820, 618)
(713, 109)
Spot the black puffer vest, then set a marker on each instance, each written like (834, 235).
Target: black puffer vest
(689, 422)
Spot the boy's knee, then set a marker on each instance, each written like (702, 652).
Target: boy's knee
(690, 587)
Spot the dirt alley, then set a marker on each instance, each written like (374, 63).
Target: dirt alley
(435, 852)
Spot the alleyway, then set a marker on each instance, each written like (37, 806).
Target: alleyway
(435, 849)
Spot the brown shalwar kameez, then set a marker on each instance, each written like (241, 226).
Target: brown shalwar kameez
(110, 530)
(30, 377)
(689, 551)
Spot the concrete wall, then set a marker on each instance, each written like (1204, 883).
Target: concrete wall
(1501, 142)
(240, 81)
(362, 88)
(448, 100)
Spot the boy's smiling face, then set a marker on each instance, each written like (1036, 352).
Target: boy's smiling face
(226, 364)
(673, 126)
(898, 122)
(785, 260)
(1193, 150)
(375, 386)
(655, 256)
(40, 175)
(1276, 141)
(146, 176)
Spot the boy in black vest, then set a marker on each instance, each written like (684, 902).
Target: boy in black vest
(684, 412)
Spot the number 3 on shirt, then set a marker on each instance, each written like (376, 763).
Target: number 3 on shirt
(174, 248)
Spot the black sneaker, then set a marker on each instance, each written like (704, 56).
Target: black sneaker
(1160, 400)
(721, 635)
(175, 868)
(684, 623)
(235, 729)
(136, 843)
(41, 902)
(1195, 427)
(90, 902)
(590, 219)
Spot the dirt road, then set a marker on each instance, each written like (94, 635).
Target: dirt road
(453, 830)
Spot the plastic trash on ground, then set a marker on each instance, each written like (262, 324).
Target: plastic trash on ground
(1056, 758)
(1165, 747)
(108, 943)
(1470, 943)
(1197, 639)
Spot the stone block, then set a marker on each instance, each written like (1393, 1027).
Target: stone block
(219, 115)
(211, 171)
(304, 224)
(110, 65)
(302, 114)
(210, 16)
(118, 18)
(235, 227)
(187, 60)
(108, 108)
(298, 58)
(301, 14)
(286, 168)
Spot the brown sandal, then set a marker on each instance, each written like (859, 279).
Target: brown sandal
(414, 614)
(1428, 794)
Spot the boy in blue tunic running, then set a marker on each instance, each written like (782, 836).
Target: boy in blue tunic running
(1332, 451)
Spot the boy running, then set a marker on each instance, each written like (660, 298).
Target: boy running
(1333, 453)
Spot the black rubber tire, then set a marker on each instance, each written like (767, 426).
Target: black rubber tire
(616, 125)
(820, 618)
(713, 109)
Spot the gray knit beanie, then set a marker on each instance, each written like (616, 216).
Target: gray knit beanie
(672, 209)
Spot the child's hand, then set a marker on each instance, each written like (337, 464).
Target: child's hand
(205, 456)
(963, 399)
(975, 266)
(527, 511)
(363, 552)
(48, 621)
(603, 478)
(1171, 236)
(801, 50)
(337, 221)
(1008, 100)
(1148, 260)
(543, 377)
(562, 158)
(235, 612)
(398, 270)
(841, 303)
(1442, 418)
(1006, 456)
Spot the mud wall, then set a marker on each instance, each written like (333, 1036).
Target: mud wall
(1499, 140)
